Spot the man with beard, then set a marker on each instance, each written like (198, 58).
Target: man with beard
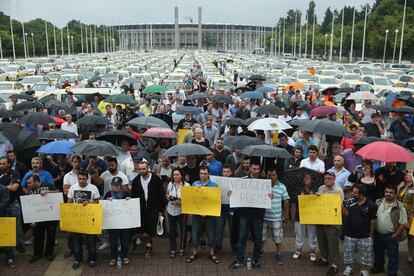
(112, 172)
(148, 188)
(220, 153)
(16, 165)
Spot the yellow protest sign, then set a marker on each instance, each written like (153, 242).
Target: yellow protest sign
(7, 232)
(412, 228)
(205, 201)
(181, 135)
(320, 209)
(81, 219)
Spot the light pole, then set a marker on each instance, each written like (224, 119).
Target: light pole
(47, 39)
(395, 45)
(283, 38)
(1, 49)
(300, 35)
(385, 46)
(402, 32)
(54, 39)
(306, 36)
(61, 41)
(365, 31)
(68, 37)
(12, 39)
(332, 34)
(27, 44)
(272, 41)
(33, 44)
(352, 37)
(313, 34)
(342, 35)
(24, 39)
(73, 48)
(326, 40)
(81, 27)
(293, 42)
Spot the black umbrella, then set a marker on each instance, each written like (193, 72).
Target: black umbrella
(330, 90)
(404, 109)
(247, 122)
(96, 148)
(26, 139)
(293, 180)
(322, 126)
(147, 122)
(89, 120)
(234, 122)
(57, 105)
(27, 106)
(345, 90)
(4, 113)
(56, 134)
(269, 109)
(186, 149)
(37, 118)
(257, 77)
(189, 109)
(265, 151)
(239, 142)
(367, 140)
(222, 99)
(116, 137)
(21, 97)
(197, 96)
(383, 108)
(164, 117)
(10, 130)
(303, 104)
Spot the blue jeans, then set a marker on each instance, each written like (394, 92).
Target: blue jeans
(247, 224)
(174, 222)
(382, 243)
(220, 225)
(14, 210)
(90, 242)
(209, 224)
(70, 242)
(8, 252)
(123, 236)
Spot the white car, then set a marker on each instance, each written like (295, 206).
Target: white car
(379, 83)
(326, 82)
(16, 72)
(11, 85)
(363, 86)
(3, 75)
(32, 80)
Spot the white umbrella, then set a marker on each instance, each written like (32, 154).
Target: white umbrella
(362, 96)
(269, 124)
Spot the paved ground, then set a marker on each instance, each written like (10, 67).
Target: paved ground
(161, 264)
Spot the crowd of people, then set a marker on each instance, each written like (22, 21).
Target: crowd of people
(378, 198)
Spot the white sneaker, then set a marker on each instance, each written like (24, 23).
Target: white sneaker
(348, 271)
(104, 246)
(29, 241)
(138, 242)
(364, 272)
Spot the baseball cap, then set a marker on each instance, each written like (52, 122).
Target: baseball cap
(137, 159)
(329, 172)
(116, 180)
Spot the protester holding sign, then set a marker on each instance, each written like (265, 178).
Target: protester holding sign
(34, 186)
(8, 251)
(175, 217)
(84, 193)
(118, 192)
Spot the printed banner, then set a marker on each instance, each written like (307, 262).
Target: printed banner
(204, 201)
(121, 213)
(320, 209)
(37, 208)
(253, 193)
(81, 219)
(7, 232)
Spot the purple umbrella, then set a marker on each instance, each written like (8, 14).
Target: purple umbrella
(323, 111)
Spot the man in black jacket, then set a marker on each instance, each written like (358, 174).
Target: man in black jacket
(148, 188)
(4, 203)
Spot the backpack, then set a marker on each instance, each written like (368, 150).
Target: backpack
(395, 217)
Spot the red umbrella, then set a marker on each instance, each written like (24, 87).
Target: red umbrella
(323, 111)
(58, 121)
(385, 151)
(160, 132)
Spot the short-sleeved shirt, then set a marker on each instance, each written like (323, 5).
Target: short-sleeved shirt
(280, 194)
(335, 190)
(83, 194)
(199, 183)
(305, 151)
(215, 167)
(107, 178)
(342, 177)
(45, 177)
(384, 223)
(359, 219)
(399, 131)
(10, 177)
(372, 130)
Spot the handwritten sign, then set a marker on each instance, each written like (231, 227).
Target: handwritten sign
(253, 193)
(225, 184)
(37, 208)
(81, 219)
(7, 232)
(205, 201)
(412, 228)
(121, 213)
(181, 135)
(323, 209)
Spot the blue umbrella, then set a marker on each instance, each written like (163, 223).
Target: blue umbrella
(57, 147)
(189, 109)
(264, 89)
(252, 95)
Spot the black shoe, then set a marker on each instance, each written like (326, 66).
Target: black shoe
(76, 265)
(236, 264)
(34, 258)
(203, 244)
(256, 264)
(49, 257)
(333, 270)
(376, 270)
(11, 263)
(20, 249)
(321, 262)
(217, 250)
(92, 264)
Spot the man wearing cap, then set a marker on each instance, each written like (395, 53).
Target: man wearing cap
(187, 122)
(328, 235)
(374, 128)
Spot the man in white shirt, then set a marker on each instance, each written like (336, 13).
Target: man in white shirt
(69, 125)
(313, 162)
(112, 172)
(366, 112)
(341, 174)
(300, 115)
(50, 87)
(125, 153)
(71, 178)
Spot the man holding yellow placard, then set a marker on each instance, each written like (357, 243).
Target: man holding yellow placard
(84, 193)
(7, 231)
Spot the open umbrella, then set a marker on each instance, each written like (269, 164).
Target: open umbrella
(197, 96)
(186, 150)
(239, 142)
(3, 138)
(251, 95)
(57, 147)
(56, 134)
(233, 122)
(164, 117)
(323, 111)
(37, 118)
(21, 97)
(383, 108)
(404, 109)
(122, 99)
(116, 137)
(91, 120)
(58, 121)
(4, 113)
(96, 148)
(26, 139)
(386, 152)
(330, 91)
(293, 180)
(257, 77)
(265, 151)
(303, 104)
(222, 99)
(269, 124)
(362, 96)
(27, 106)
(152, 89)
(189, 109)
(147, 122)
(160, 132)
(296, 85)
(268, 109)
(247, 122)
(56, 105)
(345, 90)
(366, 140)
(322, 126)
(264, 89)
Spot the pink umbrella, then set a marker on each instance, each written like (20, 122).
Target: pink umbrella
(160, 132)
(385, 151)
(323, 111)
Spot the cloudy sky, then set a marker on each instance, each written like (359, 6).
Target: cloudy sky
(119, 12)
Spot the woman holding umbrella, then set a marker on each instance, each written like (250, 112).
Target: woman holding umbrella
(365, 175)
